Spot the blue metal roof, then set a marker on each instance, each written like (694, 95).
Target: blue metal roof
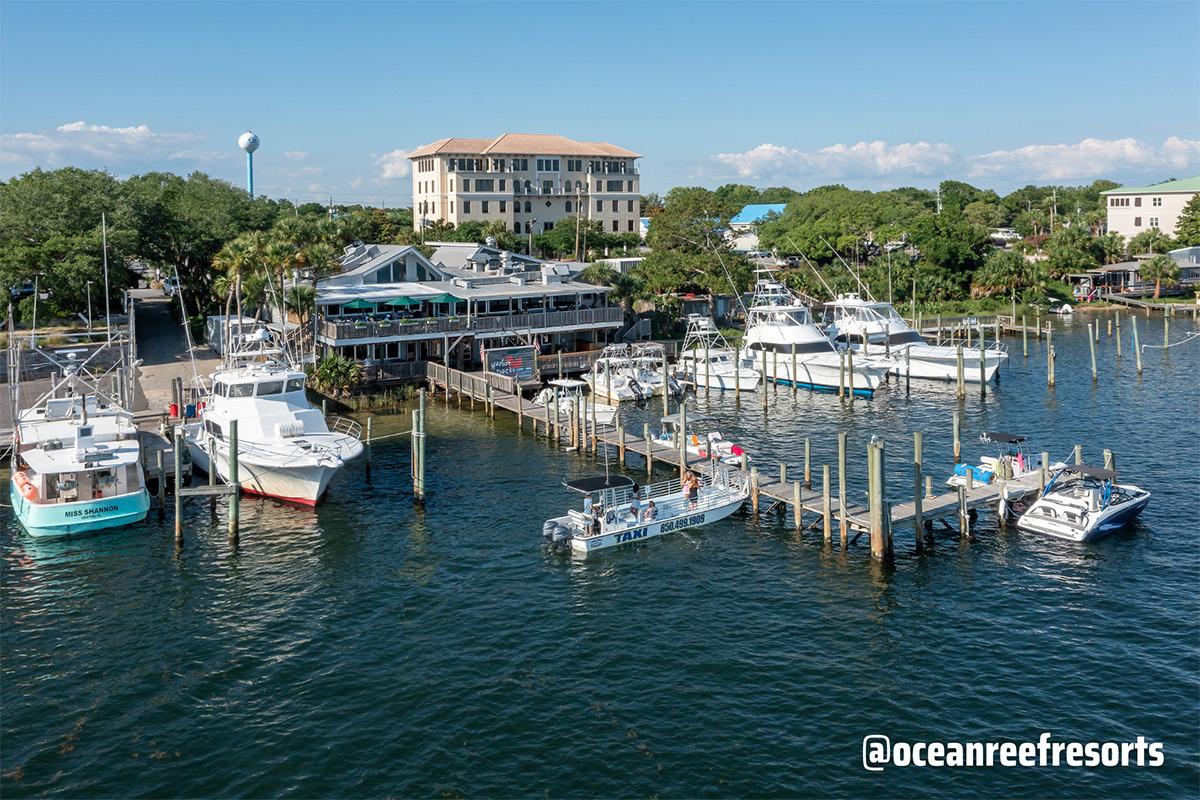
(757, 212)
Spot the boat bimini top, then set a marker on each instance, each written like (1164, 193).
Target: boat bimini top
(599, 483)
(1000, 438)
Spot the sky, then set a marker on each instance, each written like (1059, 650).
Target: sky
(872, 95)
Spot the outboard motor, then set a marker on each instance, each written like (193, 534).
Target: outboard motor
(548, 528)
(675, 388)
(638, 391)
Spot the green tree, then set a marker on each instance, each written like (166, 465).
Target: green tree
(1112, 247)
(1150, 241)
(1160, 269)
(1187, 229)
(626, 286)
(1072, 249)
(1004, 272)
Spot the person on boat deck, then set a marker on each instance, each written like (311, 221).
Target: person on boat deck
(587, 504)
(651, 512)
(635, 505)
(693, 489)
(597, 517)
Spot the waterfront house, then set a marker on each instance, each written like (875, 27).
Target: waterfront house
(1132, 210)
(528, 181)
(390, 306)
(1125, 277)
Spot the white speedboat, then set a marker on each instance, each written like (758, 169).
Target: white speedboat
(703, 442)
(286, 449)
(611, 516)
(707, 361)
(780, 332)
(1082, 503)
(877, 329)
(569, 391)
(613, 379)
(77, 468)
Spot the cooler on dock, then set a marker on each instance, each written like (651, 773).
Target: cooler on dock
(978, 474)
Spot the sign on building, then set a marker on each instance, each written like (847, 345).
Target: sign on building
(514, 362)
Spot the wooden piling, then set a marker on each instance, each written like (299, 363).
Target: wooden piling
(1024, 337)
(419, 487)
(797, 509)
(918, 522)
(621, 445)
(881, 548)
(807, 463)
(1110, 327)
(707, 371)
(958, 359)
(1049, 356)
(928, 487)
(665, 383)
(737, 384)
(683, 453)
(982, 361)
(765, 373)
(1117, 341)
(1166, 330)
(236, 494)
(1109, 461)
(754, 490)
(826, 508)
(1045, 468)
(841, 375)
(368, 448)
(964, 520)
(177, 457)
(842, 488)
(956, 423)
(850, 371)
(794, 372)
(161, 473)
(649, 451)
(1092, 349)
(1137, 351)
(1078, 454)
(783, 472)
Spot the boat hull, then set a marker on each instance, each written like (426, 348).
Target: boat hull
(59, 520)
(637, 532)
(303, 484)
(743, 380)
(1109, 521)
(941, 363)
(825, 374)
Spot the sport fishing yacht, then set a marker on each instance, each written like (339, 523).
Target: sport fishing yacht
(285, 447)
(630, 372)
(780, 331)
(1082, 503)
(707, 361)
(877, 329)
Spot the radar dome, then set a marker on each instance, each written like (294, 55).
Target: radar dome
(248, 142)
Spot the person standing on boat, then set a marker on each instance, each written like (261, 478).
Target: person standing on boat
(635, 504)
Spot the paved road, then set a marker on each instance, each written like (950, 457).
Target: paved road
(162, 348)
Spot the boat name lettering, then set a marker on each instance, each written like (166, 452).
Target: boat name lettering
(90, 511)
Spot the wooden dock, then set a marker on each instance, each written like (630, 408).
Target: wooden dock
(829, 505)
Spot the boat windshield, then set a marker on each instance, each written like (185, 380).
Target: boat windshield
(791, 316)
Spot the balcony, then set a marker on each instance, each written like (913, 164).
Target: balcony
(334, 332)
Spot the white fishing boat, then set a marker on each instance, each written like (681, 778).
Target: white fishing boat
(285, 447)
(707, 361)
(1012, 462)
(77, 468)
(1083, 503)
(629, 372)
(783, 341)
(876, 329)
(616, 511)
(703, 441)
(569, 392)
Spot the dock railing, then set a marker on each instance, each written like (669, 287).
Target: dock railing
(336, 331)
(472, 384)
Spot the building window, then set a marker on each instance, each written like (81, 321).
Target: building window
(615, 205)
(503, 206)
(485, 185)
(615, 226)
(547, 187)
(547, 226)
(453, 164)
(599, 205)
(503, 184)
(484, 206)
(528, 187)
(516, 227)
(520, 164)
(528, 207)
(631, 226)
(568, 206)
(497, 165)
(614, 186)
(547, 165)
(1154, 222)
(466, 206)
(1137, 222)
(1137, 201)
(630, 205)
(451, 206)
(1156, 202)
(578, 186)
(466, 184)
(452, 184)
(630, 189)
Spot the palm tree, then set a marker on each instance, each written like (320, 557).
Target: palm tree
(1160, 269)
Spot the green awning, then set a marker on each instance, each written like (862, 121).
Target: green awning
(358, 304)
(442, 298)
(401, 301)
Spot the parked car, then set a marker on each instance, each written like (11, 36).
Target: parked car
(171, 286)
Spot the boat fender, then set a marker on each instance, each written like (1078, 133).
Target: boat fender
(736, 450)
(27, 489)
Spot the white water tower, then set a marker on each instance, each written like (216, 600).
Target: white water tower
(249, 142)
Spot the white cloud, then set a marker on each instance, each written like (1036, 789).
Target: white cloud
(394, 165)
(882, 164)
(1089, 158)
(875, 159)
(82, 144)
(296, 155)
(357, 183)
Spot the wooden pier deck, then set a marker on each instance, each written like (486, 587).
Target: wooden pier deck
(777, 488)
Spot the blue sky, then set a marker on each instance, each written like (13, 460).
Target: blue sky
(871, 95)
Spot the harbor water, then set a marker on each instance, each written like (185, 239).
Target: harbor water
(372, 648)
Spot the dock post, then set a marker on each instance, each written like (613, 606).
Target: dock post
(665, 382)
(798, 511)
(957, 425)
(1118, 337)
(850, 371)
(968, 330)
(649, 452)
(368, 448)
(162, 483)
(754, 490)
(1078, 454)
(841, 374)
(1049, 356)
(775, 370)
(1024, 337)
(1037, 327)
(958, 360)
(880, 511)
(212, 481)
(236, 495)
(560, 365)
(783, 472)
(1092, 348)
(928, 487)
(1166, 330)
(842, 488)
(421, 450)
(1137, 351)
(413, 433)
(826, 506)
(177, 456)
(1045, 469)
(918, 522)
(621, 445)
(964, 520)
(1110, 327)
(737, 384)
(982, 361)
(807, 463)
(324, 407)
(707, 372)
(765, 373)
(793, 373)
(1109, 461)
(939, 328)
(590, 400)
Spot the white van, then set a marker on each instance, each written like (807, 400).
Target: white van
(171, 286)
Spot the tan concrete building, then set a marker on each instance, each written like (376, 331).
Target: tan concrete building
(1136, 209)
(529, 181)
